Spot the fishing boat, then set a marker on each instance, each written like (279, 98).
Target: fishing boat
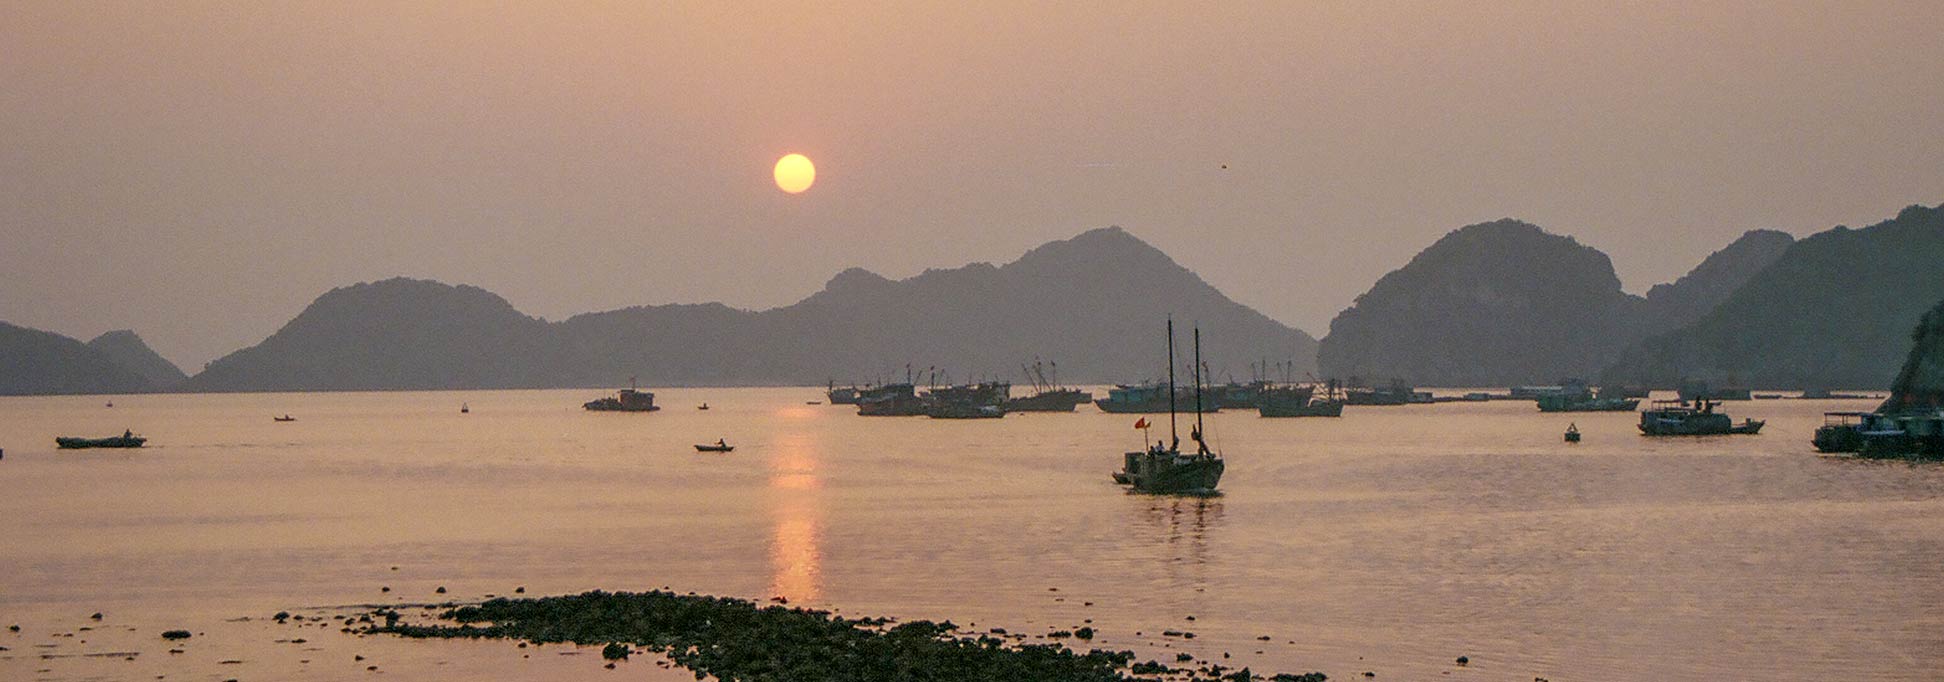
(1397, 393)
(1575, 396)
(285, 418)
(962, 410)
(1845, 431)
(721, 445)
(1301, 401)
(1048, 395)
(846, 395)
(630, 399)
(1675, 418)
(702, 406)
(1162, 468)
(1149, 399)
(890, 400)
(128, 439)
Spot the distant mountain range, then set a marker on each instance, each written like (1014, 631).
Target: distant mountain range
(1493, 304)
(1506, 302)
(1094, 304)
(1835, 311)
(34, 362)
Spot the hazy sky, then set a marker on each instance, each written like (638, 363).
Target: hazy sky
(200, 172)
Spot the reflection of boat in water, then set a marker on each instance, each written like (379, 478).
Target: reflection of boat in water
(128, 439)
(626, 400)
(1163, 468)
(1048, 395)
(1673, 418)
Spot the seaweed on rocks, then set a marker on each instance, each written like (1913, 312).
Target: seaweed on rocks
(735, 639)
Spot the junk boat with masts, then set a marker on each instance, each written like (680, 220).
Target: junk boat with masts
(1675, 418)
(1048, 395)
(630, 399)
(1163, 468)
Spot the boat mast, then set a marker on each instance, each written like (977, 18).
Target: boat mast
(1172, 436)
(1201, 447)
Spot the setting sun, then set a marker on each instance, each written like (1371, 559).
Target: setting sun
(795, 173)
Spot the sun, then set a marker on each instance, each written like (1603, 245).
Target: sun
(795, 173)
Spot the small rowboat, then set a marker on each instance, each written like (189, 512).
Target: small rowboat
(285, 418)
(717, 446)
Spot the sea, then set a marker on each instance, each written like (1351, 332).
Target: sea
(1390, 541)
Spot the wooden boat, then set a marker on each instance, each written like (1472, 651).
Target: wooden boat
(1163, 468)
(285, 418)
(1674, 418)
(703, 406)
(126, 440)
(718, 446)
(1048, 395)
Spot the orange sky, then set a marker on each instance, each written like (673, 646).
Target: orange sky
(200, 171)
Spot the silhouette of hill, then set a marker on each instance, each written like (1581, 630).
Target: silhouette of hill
(1686, 300)
(1831, 312)
(1094, 303)
(127, 350)
(1491, 304)
(1920, 384)
(34, 362)
(396, 334)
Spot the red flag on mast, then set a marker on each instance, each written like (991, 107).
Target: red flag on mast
(1141, 423)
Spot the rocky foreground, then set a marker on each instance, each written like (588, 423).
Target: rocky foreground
(734, 639)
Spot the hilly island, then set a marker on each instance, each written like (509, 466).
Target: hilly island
(1491, 304)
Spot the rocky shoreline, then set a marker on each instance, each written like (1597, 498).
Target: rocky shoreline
(736, 639)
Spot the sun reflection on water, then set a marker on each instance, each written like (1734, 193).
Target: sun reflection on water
(796, 511)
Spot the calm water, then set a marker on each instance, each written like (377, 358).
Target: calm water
(1391, 540)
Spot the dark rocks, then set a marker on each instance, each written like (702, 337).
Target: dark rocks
(175, 634)
(737, 639)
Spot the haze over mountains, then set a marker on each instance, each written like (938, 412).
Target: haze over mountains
(1492, 304)
(1506, 302)
(34, 362)
(1094, 304)
(1835, 311)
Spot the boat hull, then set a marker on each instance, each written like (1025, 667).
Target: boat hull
(715, 448)
(1547, 404)
(114, 442)
(1152, 407)
(1049, 401)
(1171, 473)
(1317, 408)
